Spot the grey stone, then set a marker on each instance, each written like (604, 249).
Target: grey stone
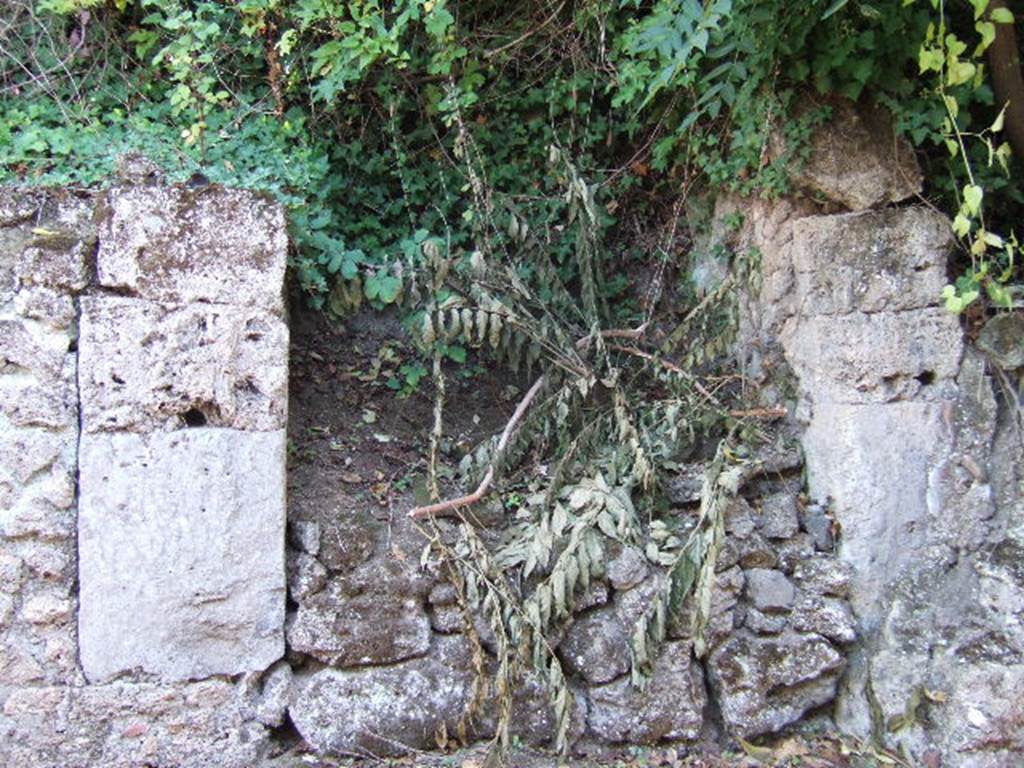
(443, 594)
(878, 262)
(175, 245)
(304, 535)
(385, 710)
(348, 630)
(794, 551)
(876, 358)
(670, 708)
(778, 519)
(348, 539)
(685, 486)
(1002, 339)
(819, 525)
(181, 556)
(306, 576)
(129, 725)
(754, 551)
(879, 485)
(764, 684)
(725, 595)
(825, 616)
(739, 519)
(593, 596)
(824, 576)
(143, 366)
(265, 698)
(627, 569)
(596, 645)
(765, 623)
(857, 161)
(769, 591)
(446, 619)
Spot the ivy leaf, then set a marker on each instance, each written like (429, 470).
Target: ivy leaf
(997, 124)
(438, 22)
(1001, 16)
(987, 30)
(972, 197)
(930, 59)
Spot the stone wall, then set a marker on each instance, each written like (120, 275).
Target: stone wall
(144, 391)
(912, 442)
(871, 572)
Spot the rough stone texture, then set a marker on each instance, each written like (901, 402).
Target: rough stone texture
(856, 160)
(670, 708)
(913, 463)
(126, 725)
(385, 710)
(181, 572)
(45, 244)
(596, 645)
(766, 683)
(145, 366)
(348, 630)
(181, 553)
(769, 591)
(181, 246)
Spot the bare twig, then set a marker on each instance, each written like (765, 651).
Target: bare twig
(526, 35)
(760, 413)
(448, 507)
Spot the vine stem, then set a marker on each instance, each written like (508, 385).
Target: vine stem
(449, 507)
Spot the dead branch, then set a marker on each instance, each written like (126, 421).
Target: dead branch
(448, 508)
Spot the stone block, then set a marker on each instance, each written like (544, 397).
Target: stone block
(879, 261)
(876, 358)
(145, 366)
(181, 246)
(181, 553)
(671, 707)
(765, 683)
(769, 591)
(857, 161)
(129, 725)
(349, 630)
(875, 462)
(385, 710)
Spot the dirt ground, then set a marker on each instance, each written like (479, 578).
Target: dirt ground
(359, 433)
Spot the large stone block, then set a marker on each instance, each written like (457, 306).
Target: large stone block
(181, 552)
(671, 707)
(145, 366)
(180, 246)
(764, 684)
(877, 261)
(875, 463)
(876, 358)
(130, 725)
(857, 160)
(386, 710)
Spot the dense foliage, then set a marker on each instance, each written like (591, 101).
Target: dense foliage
(380, 123)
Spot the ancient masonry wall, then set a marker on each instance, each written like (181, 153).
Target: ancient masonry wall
(142, 493)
